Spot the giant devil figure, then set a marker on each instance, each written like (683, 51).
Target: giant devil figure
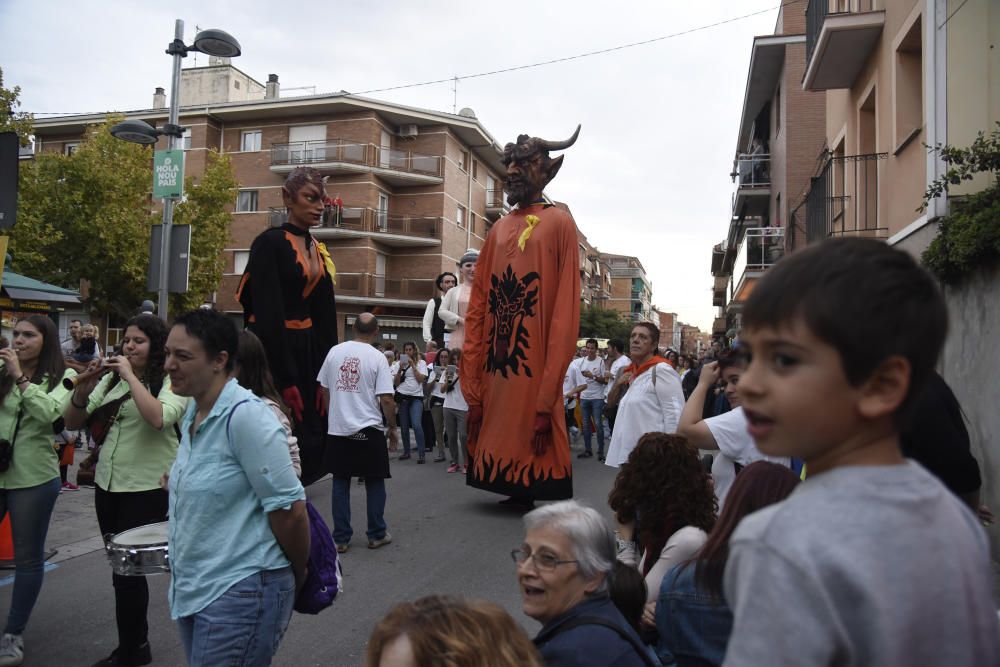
(288, 301)
(520, 334)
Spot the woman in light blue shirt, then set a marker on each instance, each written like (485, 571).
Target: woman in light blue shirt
(239, 534)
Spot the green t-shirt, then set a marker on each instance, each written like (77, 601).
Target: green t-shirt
(135, 455)
(35, 460)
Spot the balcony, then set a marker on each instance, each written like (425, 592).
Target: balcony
(363, 286)
(844, 199)
(840, 36)
(760, 249)
(338, 157)
(496, 204)
(401, 231)
(720, 285)
(752, 176)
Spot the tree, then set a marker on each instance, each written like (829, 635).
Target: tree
(969, 236)
(11, 120)
(205, 209)
(597, 322)
(87, 216)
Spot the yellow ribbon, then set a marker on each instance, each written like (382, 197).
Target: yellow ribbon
(532, 221)
(327, 261)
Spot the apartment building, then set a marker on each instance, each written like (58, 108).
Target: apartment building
(631, 292)
(418, 187)
(780, 134)
(898, 75)
(670, 330)
(595, 274)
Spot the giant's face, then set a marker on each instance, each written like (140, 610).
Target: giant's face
(305, 207)
(526, 178)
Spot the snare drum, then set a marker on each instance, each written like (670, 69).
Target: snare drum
(139, 551)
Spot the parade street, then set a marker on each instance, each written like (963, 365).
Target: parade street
(447, 538)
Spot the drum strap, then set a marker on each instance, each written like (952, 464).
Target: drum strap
(229, 421)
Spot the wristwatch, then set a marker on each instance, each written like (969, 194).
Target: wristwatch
(624, 545)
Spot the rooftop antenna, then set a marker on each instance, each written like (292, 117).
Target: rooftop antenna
(197, 29)
(454, 95)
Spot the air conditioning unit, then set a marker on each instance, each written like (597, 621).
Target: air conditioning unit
(407, 131)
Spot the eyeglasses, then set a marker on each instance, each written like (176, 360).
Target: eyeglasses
(543, 561)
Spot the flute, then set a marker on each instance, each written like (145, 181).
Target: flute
(71, 382)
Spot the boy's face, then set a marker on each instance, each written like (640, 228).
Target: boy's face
(795, 394)
(730, 379)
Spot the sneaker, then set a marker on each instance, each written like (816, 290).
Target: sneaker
(69, 486)
(453, 467)
(342, 548)
(404, 457)
(11, 650)
(381, 542)
(421, 461)
(600, 457)
(585, 455)
(438, 459)
(463, 470)
(118, 658)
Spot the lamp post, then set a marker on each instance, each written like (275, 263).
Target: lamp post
(213, 43)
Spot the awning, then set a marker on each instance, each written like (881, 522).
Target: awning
(23, 292)
(36, 295)
(395, 324)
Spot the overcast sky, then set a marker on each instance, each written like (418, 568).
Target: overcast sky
(649, 175)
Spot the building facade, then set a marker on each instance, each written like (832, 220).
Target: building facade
(781, 132)
(631, 291)
(418, 187)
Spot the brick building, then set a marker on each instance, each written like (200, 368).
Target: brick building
(781, 132)
(631, 292)
(419, 187)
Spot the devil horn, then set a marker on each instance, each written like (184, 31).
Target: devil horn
(559, 145)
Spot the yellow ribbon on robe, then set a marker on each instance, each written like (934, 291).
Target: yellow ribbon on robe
(327, 261)
(532, 221)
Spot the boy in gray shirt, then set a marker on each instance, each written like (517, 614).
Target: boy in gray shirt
(871, 561)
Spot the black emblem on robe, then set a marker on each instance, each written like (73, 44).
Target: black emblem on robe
(511, 300)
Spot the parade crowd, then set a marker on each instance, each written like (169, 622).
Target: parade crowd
(806, 497)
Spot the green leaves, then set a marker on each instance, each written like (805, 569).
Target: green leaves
(969, 236)
(596, 322)
(11, 120)
(87, 217)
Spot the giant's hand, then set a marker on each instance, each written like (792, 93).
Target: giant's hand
(320, 403)
(543, 434)
(473, 422)
(293, 401)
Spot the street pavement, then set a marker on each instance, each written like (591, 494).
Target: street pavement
(447, 538)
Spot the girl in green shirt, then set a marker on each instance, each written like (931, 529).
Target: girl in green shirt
(140, 447)
(32, 397)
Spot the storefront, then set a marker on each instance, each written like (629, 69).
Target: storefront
(21, 296)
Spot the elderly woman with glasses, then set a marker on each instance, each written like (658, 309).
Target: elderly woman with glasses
(563, 568)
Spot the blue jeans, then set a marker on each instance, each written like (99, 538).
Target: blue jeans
(30, 510)
(593, 407)
(244, 626)
(411, 413)
(375, 492)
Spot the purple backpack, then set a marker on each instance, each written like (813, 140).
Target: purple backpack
(324, 578)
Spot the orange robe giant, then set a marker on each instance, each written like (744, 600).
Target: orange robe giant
(520, 334)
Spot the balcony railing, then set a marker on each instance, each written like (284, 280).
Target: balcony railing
(380, 286)
(352, 152)
(369, 220)
(752, 170)
(843, 199)
(760, 249)
(496, 198)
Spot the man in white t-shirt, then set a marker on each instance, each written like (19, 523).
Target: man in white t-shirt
(589, 378)
(616, 363)
(727, 432)
(357, 383)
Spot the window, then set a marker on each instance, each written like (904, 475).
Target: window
(69, 149)
(460, 217)
(908, 100)
(475, 170)
(382, 213)
(236, 84)
(251, 141)
(240, 259)
(463, 160)
(186, 139)
(246, 201)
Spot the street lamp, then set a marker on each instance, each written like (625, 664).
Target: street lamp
(213, 43)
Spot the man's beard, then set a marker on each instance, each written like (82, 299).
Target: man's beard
(516, 192)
